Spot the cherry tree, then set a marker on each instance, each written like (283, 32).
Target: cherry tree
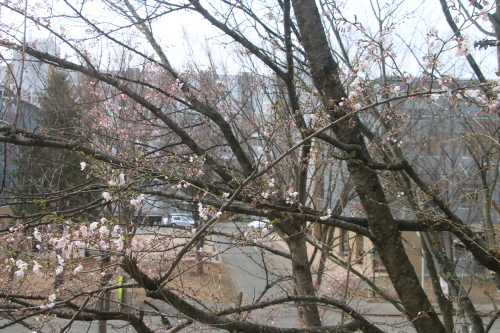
(314, 135)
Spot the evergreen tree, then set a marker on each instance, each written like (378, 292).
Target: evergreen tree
(45, 171)
(59, 112)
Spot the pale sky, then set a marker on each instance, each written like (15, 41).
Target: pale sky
(185, 36)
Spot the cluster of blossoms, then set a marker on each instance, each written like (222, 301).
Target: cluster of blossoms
(290, 195)
(476, 96)
(266, 193)
(456, 96)
(463, 47)
(353, 98)
(327, 216)
(181, 185)
(394, 114)
(116, 179)
(255, 236)
(21, 265)
(205, 213)
(392, 136)
(432, 61)
(138, 202)
(195, 170)
(445, 82)
(261, 151)
(52, 298)
(113, 178)
(199, 172)
(68, 246)
(107, 196)
(407, 78)
(100, 234)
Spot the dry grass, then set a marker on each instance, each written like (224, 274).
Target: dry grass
(205, 288)
(212, 287)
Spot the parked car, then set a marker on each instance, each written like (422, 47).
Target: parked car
(179, 221)
(257, 224)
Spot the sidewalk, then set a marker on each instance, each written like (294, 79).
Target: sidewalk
(385, 309)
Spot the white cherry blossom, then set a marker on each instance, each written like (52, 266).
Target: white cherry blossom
(107, 196)
(59, 270)
(104, 230)
(93, 226)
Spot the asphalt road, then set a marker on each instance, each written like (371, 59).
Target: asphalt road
(256, 273)
(259, 275)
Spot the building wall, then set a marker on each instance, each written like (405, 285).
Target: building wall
(364, 257)
(5, 223)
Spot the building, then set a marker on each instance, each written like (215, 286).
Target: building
(452, 146)
(31, 73)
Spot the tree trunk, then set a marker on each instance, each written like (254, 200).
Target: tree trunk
(384, 233)
(303, 278)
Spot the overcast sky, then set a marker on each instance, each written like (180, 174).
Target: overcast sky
(187, 38)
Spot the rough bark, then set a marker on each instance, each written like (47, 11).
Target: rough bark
(384, 232)
(293, 234)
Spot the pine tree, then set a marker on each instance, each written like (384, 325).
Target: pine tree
(59, 112)
(43, 171)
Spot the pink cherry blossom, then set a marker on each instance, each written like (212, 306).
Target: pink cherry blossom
(258, 241)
